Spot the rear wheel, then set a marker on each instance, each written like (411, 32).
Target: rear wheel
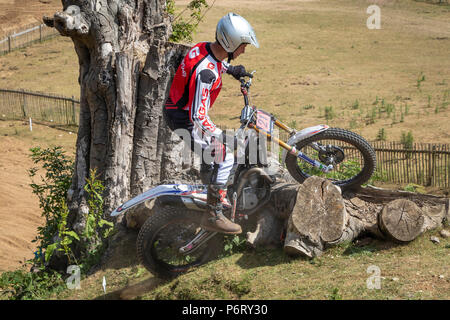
(164, 233)
(352, 157)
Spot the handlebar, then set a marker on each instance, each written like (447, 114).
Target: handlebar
(249, 82)
(245, 87)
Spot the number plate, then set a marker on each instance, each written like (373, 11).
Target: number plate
(264, 121)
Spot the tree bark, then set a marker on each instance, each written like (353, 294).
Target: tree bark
(126, 67)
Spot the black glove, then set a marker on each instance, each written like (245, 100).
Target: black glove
(238, 72)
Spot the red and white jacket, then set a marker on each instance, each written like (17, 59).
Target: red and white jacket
(196, 85)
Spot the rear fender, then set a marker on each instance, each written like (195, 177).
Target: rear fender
(178, 190)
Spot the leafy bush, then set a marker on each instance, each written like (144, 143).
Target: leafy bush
(329, 113)
(21, 285)
(407, 140)
(55, 235)
(381, 136)
(52, 194)
(233, 244)
(182, 30)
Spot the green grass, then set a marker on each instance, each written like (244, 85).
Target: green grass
(341, 63)
(418, 270)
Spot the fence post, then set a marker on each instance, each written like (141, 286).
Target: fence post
(73, 111)
(40, 33)
(24, 104)
(433, 163)
(9, 44)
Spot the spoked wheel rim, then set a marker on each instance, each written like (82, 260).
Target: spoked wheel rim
(349, 162)
(165, 244)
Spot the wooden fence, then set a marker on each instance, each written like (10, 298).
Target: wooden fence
(422, 163)
(425, 164)
(20, 104)
(26, 37)
(441, 2)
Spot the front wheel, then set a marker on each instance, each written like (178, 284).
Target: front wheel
(352, 157)
(164, 233)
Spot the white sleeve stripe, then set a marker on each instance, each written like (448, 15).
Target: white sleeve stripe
(200, 107)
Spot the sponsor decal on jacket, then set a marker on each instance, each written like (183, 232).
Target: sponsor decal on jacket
(202, 112)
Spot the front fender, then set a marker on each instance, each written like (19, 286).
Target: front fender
(303, 134)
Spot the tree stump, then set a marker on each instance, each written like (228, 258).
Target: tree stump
(401, 220)
(319, 217)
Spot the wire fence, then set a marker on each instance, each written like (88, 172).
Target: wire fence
(424, 164)
(26, 37)
(21, 104)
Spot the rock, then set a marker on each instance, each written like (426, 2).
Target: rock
(363, 242)
(435, 239)
(444, 233)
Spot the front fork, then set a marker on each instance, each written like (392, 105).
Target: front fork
(204, 235)
(291, 149)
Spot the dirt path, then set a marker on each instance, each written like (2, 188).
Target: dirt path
(19, 218)
(20, 215)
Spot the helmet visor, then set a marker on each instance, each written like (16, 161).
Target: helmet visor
(251, 39)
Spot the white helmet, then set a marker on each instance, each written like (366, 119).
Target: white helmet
(233, 30)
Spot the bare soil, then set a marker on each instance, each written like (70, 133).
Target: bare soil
(16, 14)
(20, 215)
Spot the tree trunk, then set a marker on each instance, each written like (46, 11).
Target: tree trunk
(126, 67)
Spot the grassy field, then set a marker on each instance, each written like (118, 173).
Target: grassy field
(318, 63)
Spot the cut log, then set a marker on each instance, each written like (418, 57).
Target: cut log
(401, 220)
(319, 217)
(316, 216)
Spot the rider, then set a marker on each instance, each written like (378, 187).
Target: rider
(194, 89)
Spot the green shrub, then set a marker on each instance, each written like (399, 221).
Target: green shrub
(21, 285)
(420, 79)
(407, 140)
(233, 244)
(329, 113)
(55, 235)
(381, 136)
(52, 194)
(182, 30)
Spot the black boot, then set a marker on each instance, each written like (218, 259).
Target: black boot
(213, 219)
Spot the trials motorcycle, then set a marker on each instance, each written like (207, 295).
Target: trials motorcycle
(172, 241)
